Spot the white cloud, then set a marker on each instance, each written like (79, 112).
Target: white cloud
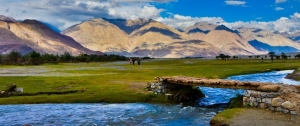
(184, 21)
(65, 13)
(283, 24)
(146, 12)
(280, 1)
(295, 16)
(279, 8)
(235, 2)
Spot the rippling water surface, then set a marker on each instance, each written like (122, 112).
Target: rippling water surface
(132, 113)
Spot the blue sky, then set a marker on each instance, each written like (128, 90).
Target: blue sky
(276, 15)
(231, 11)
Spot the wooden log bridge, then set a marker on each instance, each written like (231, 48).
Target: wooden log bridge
(220, 83)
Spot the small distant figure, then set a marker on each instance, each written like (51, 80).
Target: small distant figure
(133, 60)
(130, 61)
(271, 59)
(139, 61)
(262, 59)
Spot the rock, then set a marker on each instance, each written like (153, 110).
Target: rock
(288, 105)
(255, 104)
(159, 87)
(277, 102)
(272, 95)
(262, 105)
(246, 101)
(285, 110)
(268, 88)
(169, 96)
(150, 91)
(293, 112)
(252, 99)
(263, 95)
(258, 99)
(278, 109)
(267, 100)
(247, 93)
(255, 94)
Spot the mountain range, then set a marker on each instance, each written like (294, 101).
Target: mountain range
(32, 35)
(142, 38)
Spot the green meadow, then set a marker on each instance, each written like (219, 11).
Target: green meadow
(118, 82)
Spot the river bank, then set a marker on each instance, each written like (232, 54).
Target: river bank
(127, 86)
(118, 82)
(255, 116)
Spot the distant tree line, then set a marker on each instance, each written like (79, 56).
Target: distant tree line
(271, 55)
(223, 57)
(36, 58)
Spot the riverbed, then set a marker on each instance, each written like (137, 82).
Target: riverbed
(133, 113)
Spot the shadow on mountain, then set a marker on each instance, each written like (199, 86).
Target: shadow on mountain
(190, 42)
(197, 30)
(121, 23)
(48, 33)
(257, 30)
(159, 30)
(152, 53)
(223, 27)
(15, 47)
(52, 27)
(277, 49)
(296, 38)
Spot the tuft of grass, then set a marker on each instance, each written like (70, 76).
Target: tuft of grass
(224, 118)
(236, 102)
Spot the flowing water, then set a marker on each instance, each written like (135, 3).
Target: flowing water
(132, 113)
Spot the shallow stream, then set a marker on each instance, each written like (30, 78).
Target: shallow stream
(133, 113)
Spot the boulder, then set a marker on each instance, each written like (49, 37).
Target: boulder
(277, 102)
(267, 100)
(294, 112)
(268, 88)
(262, 105)
(288, 105)
(278, 109)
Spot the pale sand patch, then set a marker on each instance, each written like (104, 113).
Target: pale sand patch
(263, 117)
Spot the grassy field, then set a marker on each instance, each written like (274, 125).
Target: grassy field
(119, 82)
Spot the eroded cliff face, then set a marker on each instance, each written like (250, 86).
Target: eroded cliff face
(154, 39)
(32, 35)
(141, 38)
(267, 37)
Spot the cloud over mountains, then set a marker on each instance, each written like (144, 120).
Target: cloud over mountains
(65, 13)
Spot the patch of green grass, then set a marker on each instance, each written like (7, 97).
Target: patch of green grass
(119, 82)
(224, 118)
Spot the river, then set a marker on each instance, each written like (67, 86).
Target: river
(133, 113)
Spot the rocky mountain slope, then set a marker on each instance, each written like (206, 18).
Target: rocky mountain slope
(32, 35)
(141, 38)
(242, 40)
(295, 36)
(151, 38)
(138, 38)
(223, 38)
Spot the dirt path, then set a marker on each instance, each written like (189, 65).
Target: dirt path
(262, 117)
